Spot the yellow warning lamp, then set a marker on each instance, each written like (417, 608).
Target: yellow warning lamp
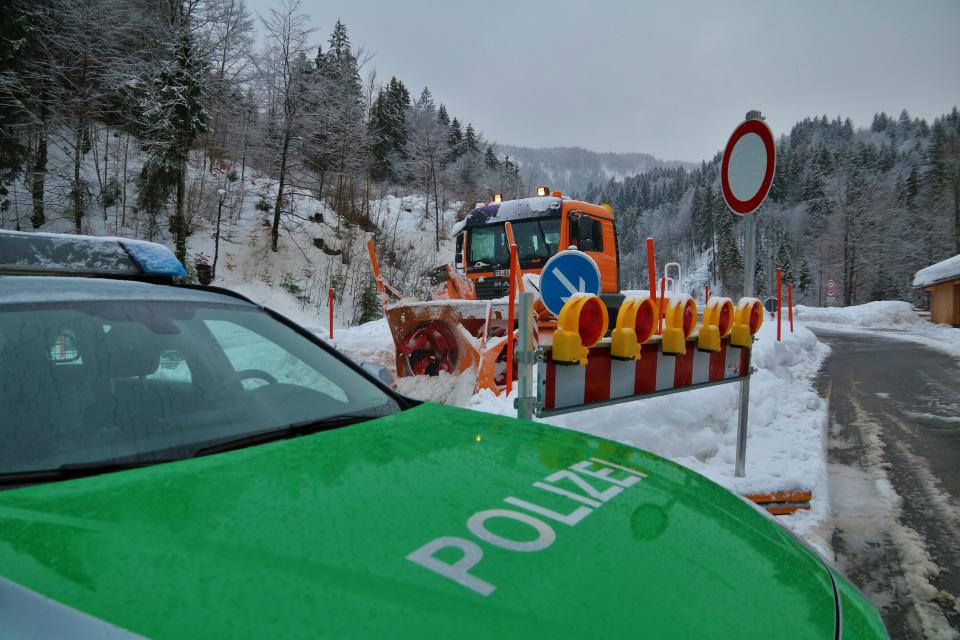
(497, 198)
(543, 191)
(581, 324)
(679, 321)
(746, 322)
(636, 322)
(717, 323)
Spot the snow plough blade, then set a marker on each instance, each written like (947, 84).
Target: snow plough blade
(451, 336)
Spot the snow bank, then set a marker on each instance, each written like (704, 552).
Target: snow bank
(873, 314)
(786, 445)
(894, 320)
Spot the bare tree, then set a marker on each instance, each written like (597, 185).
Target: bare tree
(284, 64)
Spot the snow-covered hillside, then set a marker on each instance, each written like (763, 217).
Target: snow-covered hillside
(317, 249)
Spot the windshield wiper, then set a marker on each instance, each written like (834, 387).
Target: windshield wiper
(290, 431)
(82, 469)
(76, 470)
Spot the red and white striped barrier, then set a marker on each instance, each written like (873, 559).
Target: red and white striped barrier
(606, 380)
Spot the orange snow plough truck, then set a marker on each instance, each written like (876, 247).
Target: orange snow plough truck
(464, 327)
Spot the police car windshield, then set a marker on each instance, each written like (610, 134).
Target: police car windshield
(537, 240)
(82, 382)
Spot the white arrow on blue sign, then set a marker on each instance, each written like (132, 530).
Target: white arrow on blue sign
(567, 273)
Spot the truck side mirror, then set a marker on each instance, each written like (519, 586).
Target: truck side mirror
(573, 230)
(458, 257)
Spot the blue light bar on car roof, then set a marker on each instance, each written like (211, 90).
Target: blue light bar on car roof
(64, 254)
(155, 259)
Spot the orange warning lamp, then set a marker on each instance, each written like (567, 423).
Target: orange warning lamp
(636, 322)
(581, 324)
(717, 323)
(680, 319)
(746, 322)
(543, 191)
(497, 198)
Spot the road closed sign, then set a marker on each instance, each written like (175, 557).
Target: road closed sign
(746, 172)
(831, 289)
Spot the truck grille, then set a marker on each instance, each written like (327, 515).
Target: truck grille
(491, 287)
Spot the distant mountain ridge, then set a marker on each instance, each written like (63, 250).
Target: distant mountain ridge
(573, 169)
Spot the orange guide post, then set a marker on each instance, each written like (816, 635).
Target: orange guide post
(510, 317)
(790, 304)
(331, 313)
(514, 257)
(706, 293)
(779, 303)
(652, 268)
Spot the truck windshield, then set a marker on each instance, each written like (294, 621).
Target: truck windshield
(537, 240)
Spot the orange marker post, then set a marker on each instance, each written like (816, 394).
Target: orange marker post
(790, 304)
(652, 268)
(331, 312)
(779, 299)
(511, 317)
(706, 294)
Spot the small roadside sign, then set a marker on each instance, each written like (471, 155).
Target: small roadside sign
(746, 172)
(770, 304)
(831, 289)
(566, 273)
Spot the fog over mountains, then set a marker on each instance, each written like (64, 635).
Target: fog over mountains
(573, 169)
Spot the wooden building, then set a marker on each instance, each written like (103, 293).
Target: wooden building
(942, 282)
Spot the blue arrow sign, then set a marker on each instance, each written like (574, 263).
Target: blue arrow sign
(567, 273)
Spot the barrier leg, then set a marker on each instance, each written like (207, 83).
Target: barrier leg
(525, 359)
(741, 462)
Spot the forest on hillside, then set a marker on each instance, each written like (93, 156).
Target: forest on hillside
(866, 208)
(105, 104)
(146, 112)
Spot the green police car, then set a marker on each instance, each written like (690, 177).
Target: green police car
(179, 462)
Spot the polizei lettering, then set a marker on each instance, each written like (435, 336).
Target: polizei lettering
(577, 484)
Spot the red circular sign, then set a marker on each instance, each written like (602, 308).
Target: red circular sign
(748, 165)
(831, 288)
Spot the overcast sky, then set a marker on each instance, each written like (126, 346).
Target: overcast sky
(667, 78)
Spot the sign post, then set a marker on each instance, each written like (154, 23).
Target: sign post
(526, 355)
(746, 174)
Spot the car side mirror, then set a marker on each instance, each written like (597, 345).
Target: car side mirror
(379, 372)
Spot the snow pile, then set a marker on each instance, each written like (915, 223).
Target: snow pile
(370, 342)
(894, 320)
(786, 446)
(890, 314)
(946, 270)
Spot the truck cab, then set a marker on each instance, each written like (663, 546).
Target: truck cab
(542, 226)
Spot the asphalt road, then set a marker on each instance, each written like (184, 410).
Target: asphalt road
(894, 466)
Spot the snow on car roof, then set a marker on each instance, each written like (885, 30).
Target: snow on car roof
(33, 289)
(949, 269)
(509, 210)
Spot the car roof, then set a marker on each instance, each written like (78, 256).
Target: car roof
(34, 289)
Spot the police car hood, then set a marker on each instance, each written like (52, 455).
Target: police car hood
(435, 522)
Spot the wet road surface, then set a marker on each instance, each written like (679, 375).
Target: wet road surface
(894, 467)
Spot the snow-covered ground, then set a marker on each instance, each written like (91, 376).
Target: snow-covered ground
(888, 319)
(786, 446)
